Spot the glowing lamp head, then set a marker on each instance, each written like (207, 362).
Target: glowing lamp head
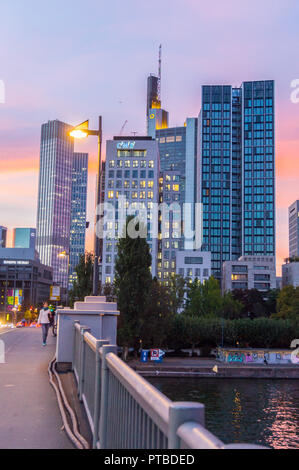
(78, 134)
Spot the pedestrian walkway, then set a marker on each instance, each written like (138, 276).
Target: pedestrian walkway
(29, 415)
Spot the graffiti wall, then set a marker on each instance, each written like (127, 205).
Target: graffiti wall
(254, 356)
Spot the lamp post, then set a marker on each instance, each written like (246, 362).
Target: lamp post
(81, 132)
(64, 254)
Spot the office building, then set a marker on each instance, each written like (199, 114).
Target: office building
(194, 264)
(249, 272)
(78, 212)
(24, 280)
(24, 238)
(236, 171)
(294, 229)
(290, 273)
(54, 199)
(132, 172)
(3, 236)
(178, 153)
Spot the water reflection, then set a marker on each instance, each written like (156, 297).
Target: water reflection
(253, 411)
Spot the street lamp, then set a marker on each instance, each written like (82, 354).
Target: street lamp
(62, 255)
(81, 132)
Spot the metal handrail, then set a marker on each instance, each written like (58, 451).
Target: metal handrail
(195, 436)
(153, 402)
(141, 406)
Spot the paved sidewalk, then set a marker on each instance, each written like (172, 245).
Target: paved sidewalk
(29, 414)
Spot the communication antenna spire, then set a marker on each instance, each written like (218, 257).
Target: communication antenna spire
(160, 73)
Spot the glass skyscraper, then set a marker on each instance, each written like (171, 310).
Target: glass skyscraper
(236, 171)
(294, 229)
(54, 198)
(78, 211)
(177, 148)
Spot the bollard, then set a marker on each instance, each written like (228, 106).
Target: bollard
(97, 393)
(104, 394)
(180, 413)
(83, 330)
(74, 345)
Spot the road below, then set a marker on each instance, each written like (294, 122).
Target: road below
(29, 415)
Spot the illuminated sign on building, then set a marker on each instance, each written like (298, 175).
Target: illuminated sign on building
(8, 261)
(126, 145)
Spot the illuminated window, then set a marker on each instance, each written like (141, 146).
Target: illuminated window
(111, 164)
(151, 164)
(150, 195)
(134, 195)
(142, 195)
(127, 163)
(143, 184)
(127, 184)
(143, 164)
(162, 140)
(150, 184)
(135, 164)
(119, 163)
(110, 194)
(170, 139)
(179, 138)
(134, 184)
(176, 187)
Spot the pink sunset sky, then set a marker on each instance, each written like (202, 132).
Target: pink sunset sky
(76, 63)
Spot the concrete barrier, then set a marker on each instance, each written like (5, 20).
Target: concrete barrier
(96, 314)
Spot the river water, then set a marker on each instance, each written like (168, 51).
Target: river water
(243, 410)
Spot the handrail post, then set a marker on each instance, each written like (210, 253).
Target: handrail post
(97, 391)
(83, 330)
(74, 345)
(104, 394)
(182, 412)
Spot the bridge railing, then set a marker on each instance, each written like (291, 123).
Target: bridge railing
(126, 412)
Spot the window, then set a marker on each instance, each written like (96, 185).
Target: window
(110, 194)
(193, 260)
(151, 164)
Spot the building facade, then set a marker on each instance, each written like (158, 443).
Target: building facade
(3, 236)
(249, 272)
(294, 229)
(290, 274)
(78, 212)
(24, 280)
(54, 199)
(131, 188)
(236, 171)
(193, 264)
(24, 238)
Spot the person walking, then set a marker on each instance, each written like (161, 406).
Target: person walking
(44, 321)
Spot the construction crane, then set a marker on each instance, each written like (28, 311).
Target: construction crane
(123, 128)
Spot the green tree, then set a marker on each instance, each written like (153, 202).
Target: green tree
(253, 302)
(288, 303)
(177, 290)
(204, 299)
(83, 286)
(132, 283)
(158, 316)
